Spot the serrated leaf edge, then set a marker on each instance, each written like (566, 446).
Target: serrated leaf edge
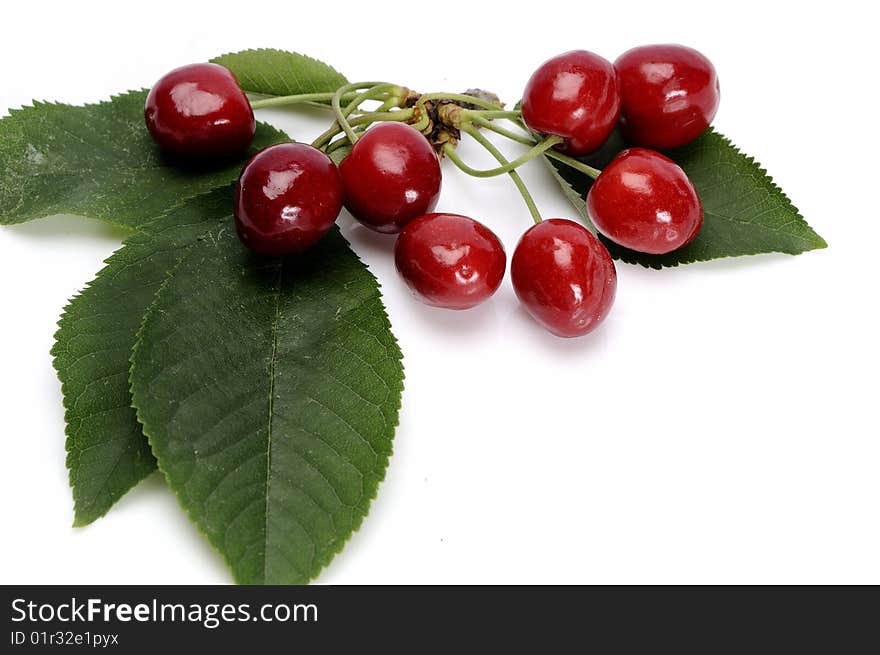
(36, 104)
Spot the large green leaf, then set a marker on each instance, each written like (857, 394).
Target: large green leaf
(107, 453)
(269, 390)
(98, 161)
(745, 213)
(280, 73)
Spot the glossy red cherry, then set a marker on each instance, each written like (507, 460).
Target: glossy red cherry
(576, 96)
(287, 197)
(449, 260)
(670, 94)
(564, 276)
(645, 202)
(200, 111)
(391, 176)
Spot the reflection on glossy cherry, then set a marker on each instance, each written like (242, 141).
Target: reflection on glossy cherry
(450, 261)
(670, 94)
(390, 176)
(287, 197)
(199, 111)
(645, 202)
(564, 277)
(574, 95)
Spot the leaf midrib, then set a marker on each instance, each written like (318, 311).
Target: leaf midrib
(273, 362)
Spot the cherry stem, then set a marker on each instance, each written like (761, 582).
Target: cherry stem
(536, 151)
(373, 89)
(391, 103)
(300, 98)
(492, 125)
(342, 143)
(576, 164)
(424, 119)
(400, 115)
(494, 113)
(392, 93)
(517, 180)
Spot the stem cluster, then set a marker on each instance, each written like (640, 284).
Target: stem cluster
(471, 112)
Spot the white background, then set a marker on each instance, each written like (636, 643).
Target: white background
(720, 427)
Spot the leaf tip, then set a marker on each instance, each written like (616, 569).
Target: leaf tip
(80, 521)
(818, 242)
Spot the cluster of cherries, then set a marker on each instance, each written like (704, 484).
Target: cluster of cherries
(290, 194)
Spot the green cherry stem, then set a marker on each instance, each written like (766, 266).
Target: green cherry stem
(589, 171)
(494, 113)
(341, 143)
(391, 103)
(493, 126)
(375, 116)
(400, 115)
(389, 92)
(396, 93)
(424, 119)
(325, 137)
(372, 89)
(536, 151)
(576, 164)
(517, 180)
(277, 101)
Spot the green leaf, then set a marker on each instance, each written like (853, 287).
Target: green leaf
(574, 185)
(269, 390)
(107, 453)
(745, 213)
(280, 73)
(98, 161)
(338, 154)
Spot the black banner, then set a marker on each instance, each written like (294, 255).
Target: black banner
(451, 619)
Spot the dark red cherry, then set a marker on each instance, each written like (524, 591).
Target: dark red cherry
(287, 197)
(450, 261)
(390, 176)
(564, 276)
(576, 96)
(670, 94)
(645, 202)
(199, 111)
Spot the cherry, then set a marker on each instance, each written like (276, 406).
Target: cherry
(199, 111)
(670, 94)
(287, 197)
(645, 202)
(574, 95)
(390, 176)
(449, 260)
(564, 276)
